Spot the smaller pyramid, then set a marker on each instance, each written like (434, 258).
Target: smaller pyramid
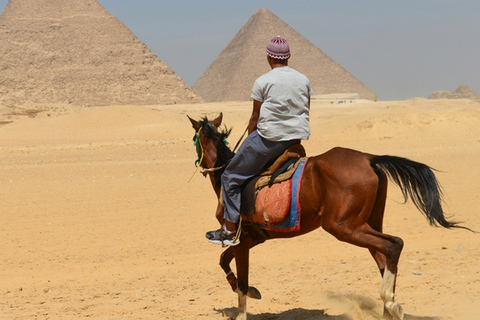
(231, 75)
(75, 51)
(462, 92)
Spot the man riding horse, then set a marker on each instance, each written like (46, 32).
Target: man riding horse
(280, 119)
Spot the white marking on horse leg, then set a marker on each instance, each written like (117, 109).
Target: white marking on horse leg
(242, 306)
(388, 296)
(388, 283)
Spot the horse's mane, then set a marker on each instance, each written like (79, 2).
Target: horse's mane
(224, 154)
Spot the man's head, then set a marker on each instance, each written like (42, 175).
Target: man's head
(278, 48)
(278, 52)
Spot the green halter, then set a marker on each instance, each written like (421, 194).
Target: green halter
(199, 147)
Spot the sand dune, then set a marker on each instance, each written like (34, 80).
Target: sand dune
(99, 220)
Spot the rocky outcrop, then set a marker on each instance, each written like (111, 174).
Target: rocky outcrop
(462, 92)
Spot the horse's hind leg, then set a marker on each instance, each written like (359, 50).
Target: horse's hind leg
(385, 249)
(387, 290)
(376, 222)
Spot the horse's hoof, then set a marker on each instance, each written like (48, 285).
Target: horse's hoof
(395, 310)
(253, 293)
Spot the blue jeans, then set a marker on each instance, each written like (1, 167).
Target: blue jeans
(252, 156)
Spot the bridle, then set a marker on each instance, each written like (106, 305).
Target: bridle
(201, 154)
(198, 163)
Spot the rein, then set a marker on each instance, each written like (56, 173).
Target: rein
(199, 146)
(238, 142)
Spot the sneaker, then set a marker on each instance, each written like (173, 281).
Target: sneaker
(220, 237)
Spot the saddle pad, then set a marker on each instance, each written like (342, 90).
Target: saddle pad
(272, 204)
(279, 209)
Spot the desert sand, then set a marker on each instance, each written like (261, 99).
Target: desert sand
(99, 220)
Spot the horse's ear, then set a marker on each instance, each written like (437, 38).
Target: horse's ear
(195, 124)
(218, 121)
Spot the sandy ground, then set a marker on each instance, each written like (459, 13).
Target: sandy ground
(99, 220)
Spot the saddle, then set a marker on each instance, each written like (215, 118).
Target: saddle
(281, 170)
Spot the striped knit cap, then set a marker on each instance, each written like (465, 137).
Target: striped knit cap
(278, 48)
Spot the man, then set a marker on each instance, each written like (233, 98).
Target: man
(280, 119)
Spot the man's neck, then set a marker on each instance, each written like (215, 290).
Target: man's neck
(279, 65)
(275, 63)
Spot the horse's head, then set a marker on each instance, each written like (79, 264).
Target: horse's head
(212, 147)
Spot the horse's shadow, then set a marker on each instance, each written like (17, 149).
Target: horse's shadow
(305, 314)
(292, 314)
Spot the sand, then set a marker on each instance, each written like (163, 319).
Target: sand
(99, 220)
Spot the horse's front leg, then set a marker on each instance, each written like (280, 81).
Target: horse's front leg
(225, 259)
(242, 253)
(219, 213)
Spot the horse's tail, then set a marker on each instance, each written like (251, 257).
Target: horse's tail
(417, 182)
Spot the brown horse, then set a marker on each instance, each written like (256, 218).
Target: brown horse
(344, 191)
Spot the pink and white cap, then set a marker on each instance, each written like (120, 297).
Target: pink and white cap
(278, 48)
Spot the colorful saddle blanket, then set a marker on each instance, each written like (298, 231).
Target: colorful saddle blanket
(277, 208)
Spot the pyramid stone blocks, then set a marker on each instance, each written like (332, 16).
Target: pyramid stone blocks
(75, 51)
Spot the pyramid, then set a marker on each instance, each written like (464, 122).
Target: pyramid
(462, 92)
(231, 75)
(75, 51)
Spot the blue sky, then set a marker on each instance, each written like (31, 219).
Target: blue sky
(399, 49)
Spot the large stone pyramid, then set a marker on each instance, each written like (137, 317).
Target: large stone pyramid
(75, 51)
(231, 75)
